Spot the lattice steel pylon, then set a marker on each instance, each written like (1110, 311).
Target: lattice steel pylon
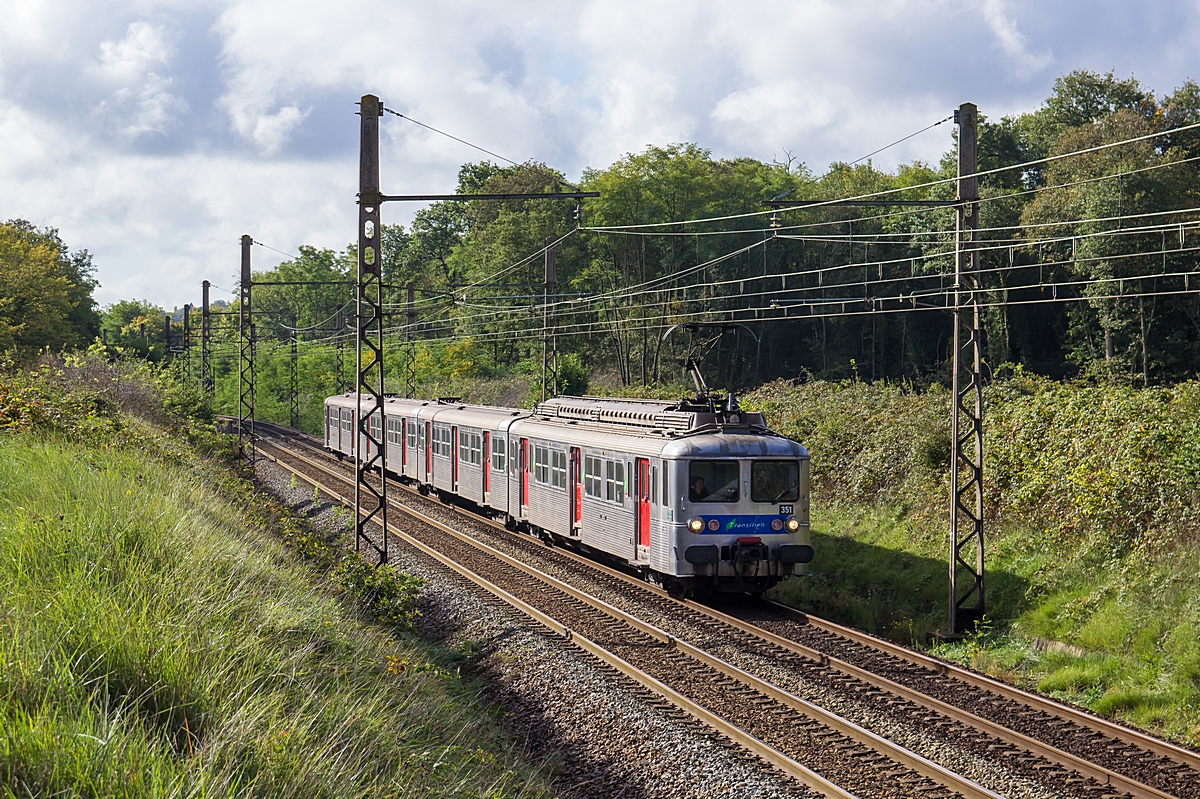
(245, 358)
(339, 358)
(206, 378)
(549, 340)
(410, 346)
(294, 379)
(370, 498)
(187, 341)
(966, 414)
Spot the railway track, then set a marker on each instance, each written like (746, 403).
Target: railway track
(763, 659)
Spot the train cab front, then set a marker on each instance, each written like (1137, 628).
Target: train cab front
(746, 522)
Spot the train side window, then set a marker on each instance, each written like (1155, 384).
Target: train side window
(541, 464)
(614, 489)
(593, 476)
(470, 446)
(412, 433)
(499, 450)
(653, 485)
(558, 468)
(666, 493)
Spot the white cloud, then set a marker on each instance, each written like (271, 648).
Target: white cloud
(144, 48)
(156, 108)
(1012, 42)
(140, 98)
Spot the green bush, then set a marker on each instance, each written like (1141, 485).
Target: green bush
(1092, 521)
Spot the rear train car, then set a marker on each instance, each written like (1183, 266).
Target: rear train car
(691, 495)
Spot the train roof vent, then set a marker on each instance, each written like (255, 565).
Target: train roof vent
(648, 414)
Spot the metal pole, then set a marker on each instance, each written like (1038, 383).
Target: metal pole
(552, 281)
(548, 288)
(294, 387)
(245, 357)
(410, 322)
(370, 501)
(187, 335)
(206, 379)
(966, 414)
(166, 335)
(339, 359)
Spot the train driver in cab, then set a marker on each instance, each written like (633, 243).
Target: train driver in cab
(698, 492)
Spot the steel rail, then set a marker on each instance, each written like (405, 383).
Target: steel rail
(1051, 753)
(1064, 711)
(912, 760)
(752, 744)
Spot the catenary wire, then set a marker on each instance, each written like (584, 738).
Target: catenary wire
(901, 141)
(449, 136)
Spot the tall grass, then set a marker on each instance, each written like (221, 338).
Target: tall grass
(155, 646)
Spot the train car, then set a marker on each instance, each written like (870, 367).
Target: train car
(691, 494)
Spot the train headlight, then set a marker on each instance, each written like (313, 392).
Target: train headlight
(695, 524)
(792, 524)
(777, 524)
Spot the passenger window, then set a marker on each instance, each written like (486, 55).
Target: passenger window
(713, 481)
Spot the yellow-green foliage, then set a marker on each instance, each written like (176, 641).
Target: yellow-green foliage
(155, 645)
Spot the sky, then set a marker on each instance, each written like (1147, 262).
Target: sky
(154, 133)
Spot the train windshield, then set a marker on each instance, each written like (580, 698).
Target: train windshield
(713, 481)
(775, 481)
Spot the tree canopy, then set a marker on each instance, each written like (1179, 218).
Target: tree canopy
(45, 291)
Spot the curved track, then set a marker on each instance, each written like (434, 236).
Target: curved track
(940, 701)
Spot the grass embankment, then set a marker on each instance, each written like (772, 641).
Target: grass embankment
(159, 642)
(1093, 532)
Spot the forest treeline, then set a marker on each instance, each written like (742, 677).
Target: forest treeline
(1086, 265)
(1083, 266)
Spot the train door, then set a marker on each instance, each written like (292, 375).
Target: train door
(576, 492)
(524, 476)
(403, 444)
(428, 452)
(643, 502)
(455, 446)
(486, 462)
(353, 432)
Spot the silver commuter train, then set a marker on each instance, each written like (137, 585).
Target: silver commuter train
(694, 496)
